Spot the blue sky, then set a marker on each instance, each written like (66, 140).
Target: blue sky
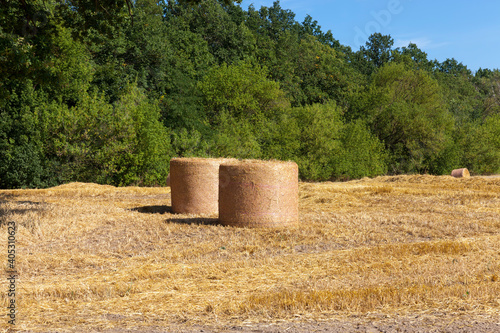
(468, 31)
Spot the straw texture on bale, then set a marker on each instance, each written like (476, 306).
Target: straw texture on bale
(256, 193)
(460, 173)
(194, 184)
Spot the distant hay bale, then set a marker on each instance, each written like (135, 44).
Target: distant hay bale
(194, 184)
(460, 173)
(168, 179)
(256, 193)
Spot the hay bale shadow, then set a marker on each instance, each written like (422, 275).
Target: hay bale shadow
(179, 220)
(153, 209)
(9, 208)
(195, 220)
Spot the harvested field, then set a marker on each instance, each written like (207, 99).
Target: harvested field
(366, 252)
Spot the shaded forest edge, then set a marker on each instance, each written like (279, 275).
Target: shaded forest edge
(108, 91)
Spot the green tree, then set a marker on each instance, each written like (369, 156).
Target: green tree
(241, 89)
(227, 40)
(236, 137)
(312, 28)
(320, 140)
(118, 144)
(480, 143)
(416, 55)
(379, 48)
(376, 53)
(323, 74)
(22, 162)
(487, 83)
(362, 154)
(324, 146)
(39, 61)
(406, 110)
(461, 95)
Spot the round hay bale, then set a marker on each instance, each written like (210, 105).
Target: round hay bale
(460, 173)
(194, 184)
(256, 193)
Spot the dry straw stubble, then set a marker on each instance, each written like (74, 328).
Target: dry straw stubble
(254, 193)
(89, 260)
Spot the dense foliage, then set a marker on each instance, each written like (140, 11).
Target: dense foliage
(108, 91)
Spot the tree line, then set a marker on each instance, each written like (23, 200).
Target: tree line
(108, 91)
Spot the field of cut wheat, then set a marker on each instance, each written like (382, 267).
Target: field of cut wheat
(92, 257)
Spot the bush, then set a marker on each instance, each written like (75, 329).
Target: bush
(406, 110)
(189, 143)
(362, 155)
(118, 144)
(22, 162)
(235, 137)
(22, 167)
(242, 90)
(481, 146)
(151, 147)
(320, 133)
(450, 157)
(324, 146)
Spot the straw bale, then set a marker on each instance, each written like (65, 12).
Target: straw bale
(194, 184)
(255, 193)
(460, 173)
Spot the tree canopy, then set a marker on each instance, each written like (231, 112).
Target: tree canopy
(107, 91)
